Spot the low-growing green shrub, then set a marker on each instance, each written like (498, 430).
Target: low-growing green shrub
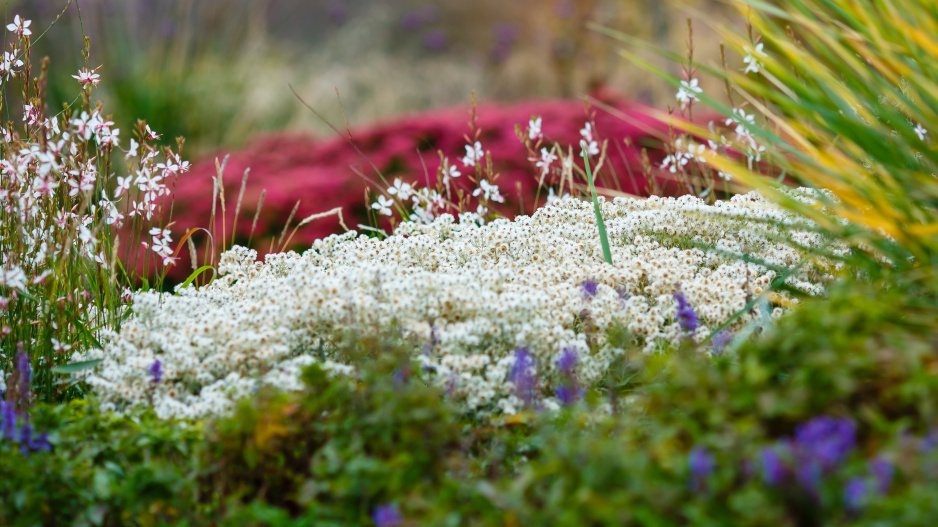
(827, 418)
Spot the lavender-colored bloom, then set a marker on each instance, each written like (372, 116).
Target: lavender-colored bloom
(701, 464)
(435, 40)
(8, 419)
(387, 515)
(25, 437)
(426, 354)
(567, 361)
(827, 440)
(590, 288)
(686, 316)
(567, 395)
(929, 443)
(522, 376)
(156, 371)
(774, 470)
(25, 375)
(720, 340)
(808, 475)
(40, 442)
(882, 470)
(855, 493)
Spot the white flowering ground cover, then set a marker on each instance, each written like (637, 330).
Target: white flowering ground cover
(468, 295)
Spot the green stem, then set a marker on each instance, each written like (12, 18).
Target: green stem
(603, 239)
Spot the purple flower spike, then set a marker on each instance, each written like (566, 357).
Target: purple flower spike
(827, 440)
(156, 371)
(720, 340)
(522, 376)
(701, 464)
(808, 475)
(686, 316)
(25, 376)
(387, 515)
(567, 395)
(882, 470)
(8, 419)
(774, 470)
(567, 361)
(590, 288)
(855, 493)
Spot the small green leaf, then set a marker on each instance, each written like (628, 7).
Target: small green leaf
(195, 274)
(77, 366)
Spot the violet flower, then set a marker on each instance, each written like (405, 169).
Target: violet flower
(882, 470)
(686, 316)
(387, 515)
(774, 470)
(156, 371)
(8, 420)
(522, 376)
(701, 464)
(855, 493)
(590, 288)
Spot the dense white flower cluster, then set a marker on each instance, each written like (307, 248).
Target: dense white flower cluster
(467, 295)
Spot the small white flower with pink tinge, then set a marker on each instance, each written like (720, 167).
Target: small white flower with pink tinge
(87, 77)
(20, 26)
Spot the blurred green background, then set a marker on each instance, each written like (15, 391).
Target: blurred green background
(219, 71)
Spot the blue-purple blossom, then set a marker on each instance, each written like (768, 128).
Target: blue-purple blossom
(522, 376)
(426, 355)
(567, 361)
(8, 419)
(686, 316)
(590, 288)
(387, 515)
(156, 371)
(855, 493)
(882, 470)
(567, 395)
(720, 340)
(25, 375)
(701, 464)
(929, 443)
(774, 470)
(827, 440)
(568, 392)
(808, 475)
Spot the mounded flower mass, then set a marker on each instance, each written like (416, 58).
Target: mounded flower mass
(472, 298)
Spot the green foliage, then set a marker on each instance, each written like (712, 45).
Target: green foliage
(332, 454)
(103, 470)
(341, 449)
(866, 354)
